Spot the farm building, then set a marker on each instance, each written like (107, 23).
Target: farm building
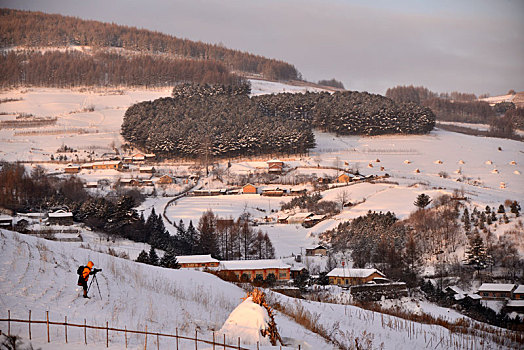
(317, 251)
(251, 269)
(165, 180)
(249, 189)
(273, 192)
(72, 169)
(146, 169)
(197, 261)
(138, 157)
(111, 164)
(130, 182)
(297, 191)
(313, 220)
(297, 270)
(275, 166)
(494, 291)
(87, 166)
(345, 178)
(91, 184)
(347, 277)
(60, 217)
(282, 219)
(298, 218)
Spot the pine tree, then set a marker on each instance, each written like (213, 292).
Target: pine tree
(515, 208)
(465, 219)
(143, 257)
(192, 238)
(153, 257)
(169, 260)
(422, 201)
(476, 254)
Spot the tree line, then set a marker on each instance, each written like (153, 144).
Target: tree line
(37, 29)
(74, 68)
(221, 121)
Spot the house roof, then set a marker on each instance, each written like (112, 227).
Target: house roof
(474, 296)
(520, 289)
(455, 290)
(60, 214)
(353, 273)
(515, 303)
(496, 287)
(301, 215)
(195, 259)
(318, 247)
(316, 217)
(275, 161)
(146, 168)
(107, 162)
(252, 264)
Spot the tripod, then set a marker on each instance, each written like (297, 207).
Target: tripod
(97, 286)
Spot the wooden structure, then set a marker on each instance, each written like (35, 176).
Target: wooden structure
(273, 192)
(249, 189)
(275, 166)
(344, 178)
(146, 169)
(317, 251)
(165, 180)
(6, 221)
(251, 269)
(518, 294)
(298, 218)
(496, 291)
(72, 169)
(197, 261)
(313, 220)
(60, 217)
(351, 277)
(111, 164)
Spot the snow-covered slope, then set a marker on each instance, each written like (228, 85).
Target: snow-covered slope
(40, 276)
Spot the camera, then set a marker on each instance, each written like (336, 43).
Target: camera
(96, 271)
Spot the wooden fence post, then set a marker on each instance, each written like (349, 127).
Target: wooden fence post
(224, 341)
(176, 333)
(8, 323)
(29, 324)
(145, 344)
(125, 334)
(213, 340)
(65, 325)
(196, 341)
(47, 322)
(85, 332)
(238, 343)
(157, 342)
(107, 334)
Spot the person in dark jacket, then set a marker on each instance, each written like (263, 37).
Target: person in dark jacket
(84, 277)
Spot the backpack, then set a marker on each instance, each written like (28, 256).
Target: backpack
(80, 270)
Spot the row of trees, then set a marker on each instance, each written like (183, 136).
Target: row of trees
(223, 122)
(75, 68)
(37, 29)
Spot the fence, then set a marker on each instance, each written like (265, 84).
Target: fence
(215, 343)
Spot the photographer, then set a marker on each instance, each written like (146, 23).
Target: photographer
(84, 275)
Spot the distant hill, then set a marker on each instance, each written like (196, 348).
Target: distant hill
(171, 56)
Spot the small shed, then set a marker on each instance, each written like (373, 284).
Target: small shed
(72, 169)
(518, 293)
(165, 180)
(344, 178)
(60, 217)
(313, 220)
(317, 251)
(146, 169)
(347, 277)
(298, 218)
(249, 189)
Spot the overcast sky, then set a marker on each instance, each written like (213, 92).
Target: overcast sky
(370, 45)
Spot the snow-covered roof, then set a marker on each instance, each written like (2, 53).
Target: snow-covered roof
(253, 264)
(520, 289)
(353, 273)
(195, 259)
(107, 162)
(301, 215)
(6, 217)
(474, 296)
(275, 161)
(69, 166)
(496, 287)
(316, 217)
(145, 168)
(60, 214)
(515, 303)
(456, 290)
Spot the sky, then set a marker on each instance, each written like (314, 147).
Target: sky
(446, 45)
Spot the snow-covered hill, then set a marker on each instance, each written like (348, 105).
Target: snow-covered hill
(40, 276)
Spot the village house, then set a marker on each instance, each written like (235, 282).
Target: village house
(313, 220)
(298, 218)
(344, 178)
(273, 192)
(111, 164)
(317, 251)
(249, 189)
(351, 277)
(146, 169)
(518, 294)
(91, 184)
(138, 157)
(72, 169)
(197, 261)
(297, 270)
(165, 180)
(297, 191)
(130, 182)
(150, 156)
(87, 166)
(251, 269)
(60, 217)
(275, 166)
(282, 219)
(496, 291)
